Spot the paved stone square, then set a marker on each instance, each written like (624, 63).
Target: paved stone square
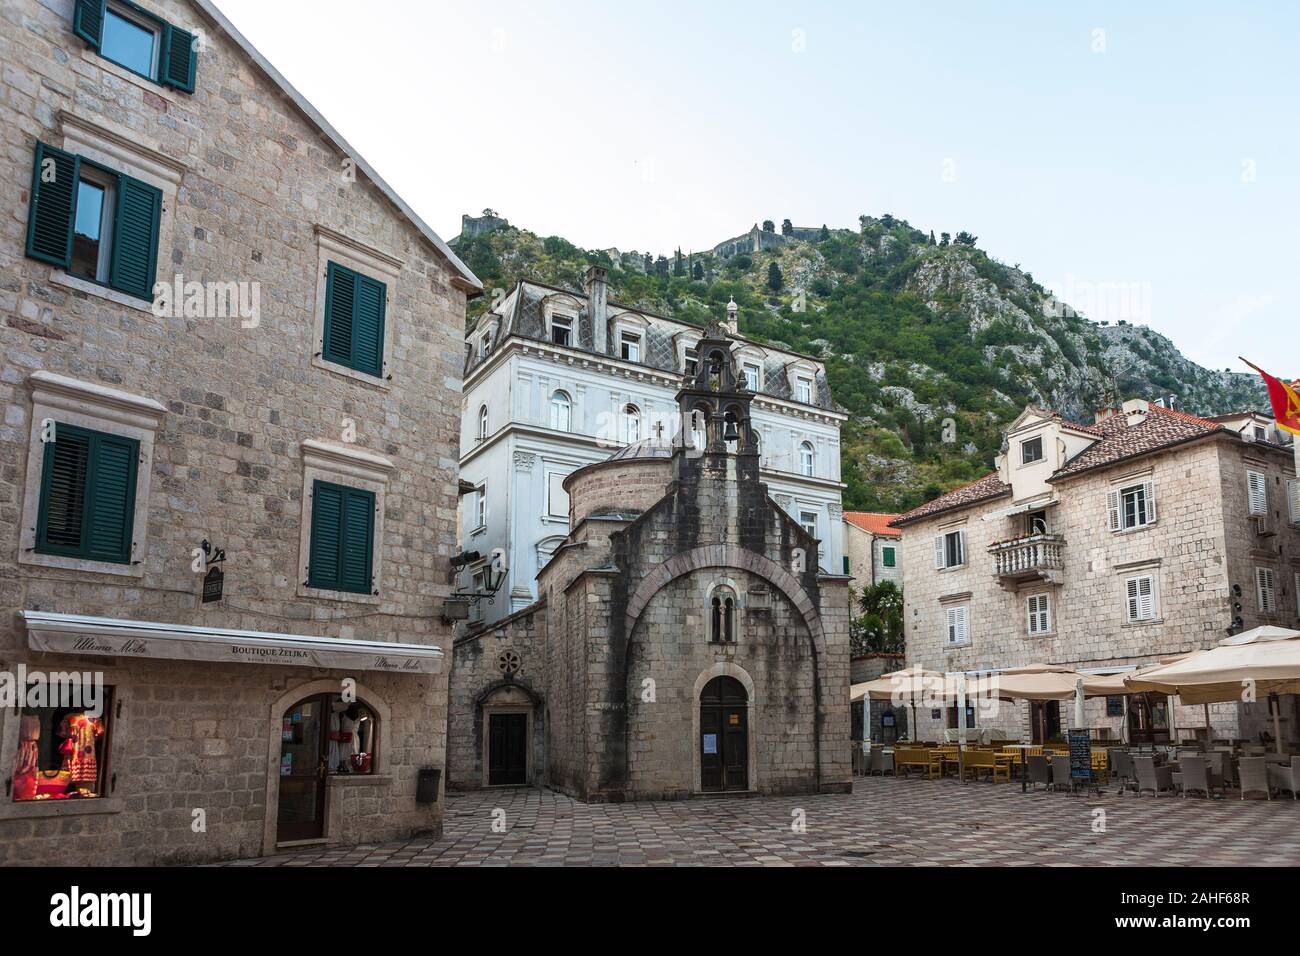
(884, 822)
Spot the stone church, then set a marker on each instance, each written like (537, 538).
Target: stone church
(684, 640)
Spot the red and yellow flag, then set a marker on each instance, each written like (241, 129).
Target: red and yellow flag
(1286, 403)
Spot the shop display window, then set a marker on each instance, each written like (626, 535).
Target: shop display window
(61, 753)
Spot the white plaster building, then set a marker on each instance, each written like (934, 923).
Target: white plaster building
(556, 380)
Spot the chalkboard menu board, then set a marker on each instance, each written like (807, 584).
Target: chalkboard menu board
(1080, 755)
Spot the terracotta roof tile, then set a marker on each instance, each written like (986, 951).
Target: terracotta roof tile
(1162, 428)
(990, 486)
(873, 522)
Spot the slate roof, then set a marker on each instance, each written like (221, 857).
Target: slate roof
(1117, 442)
(873, 522)
(526, 319)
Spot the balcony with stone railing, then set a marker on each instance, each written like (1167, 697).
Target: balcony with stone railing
(1038, 557)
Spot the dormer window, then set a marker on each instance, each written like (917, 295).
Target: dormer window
(562, 330)
(485, 346)
(752, 373)
(630, 346)
(803, 390)
(1031, 450)
(691, 362)
(1261, 434)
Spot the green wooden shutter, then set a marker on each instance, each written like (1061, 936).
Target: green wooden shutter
(179, 59)
(354, 320)
(54, 205)
(368, 326)
(87, 507)
(110, 494)
(358, 540)
(340, 299)
(135, 238)
(60, 527)
(324, 557)
(88, 21)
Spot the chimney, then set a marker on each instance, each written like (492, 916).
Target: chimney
(732, 311)
(1136, 411)
(597, 286)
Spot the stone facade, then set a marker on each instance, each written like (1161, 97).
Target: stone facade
(1199, 547)
(255, 189)
(624, 624)
(872, 549)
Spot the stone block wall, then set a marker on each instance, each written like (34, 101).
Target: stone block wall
(255, 180)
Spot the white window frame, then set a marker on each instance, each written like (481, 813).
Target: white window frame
(60, 399)
(561, 411)
(804, 523)
(941, 549)
(956, 629)
(803, 389)
(566, 322)
(1266, 590)
(1133, 599)
(480, 508)
(1256, 493)
(144, 23)
(632, 416)
(1117, 514)
(688, 358)
(552, 479)
(1038, 608)
(1024, 450)
(807, 459)
(631, 342)
(483, 425)
(755, 382)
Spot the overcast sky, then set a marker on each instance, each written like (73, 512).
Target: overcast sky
(1140, 162)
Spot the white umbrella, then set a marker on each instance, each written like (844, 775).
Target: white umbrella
(1265, 660)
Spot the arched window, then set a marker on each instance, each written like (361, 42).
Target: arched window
(722, 616)
(561, 410)
(807, 460)
(482, 423)
(631, 424)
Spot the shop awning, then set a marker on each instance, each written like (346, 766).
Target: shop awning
(116, 637)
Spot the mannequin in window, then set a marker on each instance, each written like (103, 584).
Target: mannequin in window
(348, 731)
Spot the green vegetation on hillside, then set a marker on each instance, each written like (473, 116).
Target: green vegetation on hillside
(931, 346)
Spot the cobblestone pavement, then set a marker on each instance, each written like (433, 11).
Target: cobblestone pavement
(908, 822)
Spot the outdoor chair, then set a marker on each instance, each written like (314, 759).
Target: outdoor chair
(1220, 765)
(1254, 776)
(1153, 778)
(1121, 768)
(1286, 777)
(975, 761)
(1038, 770)
(1195, 775)
(1061, 779)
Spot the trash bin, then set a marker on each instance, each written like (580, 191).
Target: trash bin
(426, 789)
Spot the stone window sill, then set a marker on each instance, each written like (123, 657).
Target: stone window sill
(359, 780)
(31, 809)
(1144, 623)
(60, 278)
(363, 377)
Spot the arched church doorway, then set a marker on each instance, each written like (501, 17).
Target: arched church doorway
(724, 736)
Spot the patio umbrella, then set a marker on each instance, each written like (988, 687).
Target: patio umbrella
(1265, 660)
(908, 686)
(1031, 682)
(1115, 685)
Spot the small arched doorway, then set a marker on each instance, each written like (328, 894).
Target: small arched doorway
(320, 736)
(724, 736)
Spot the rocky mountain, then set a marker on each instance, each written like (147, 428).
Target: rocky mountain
(931, 345)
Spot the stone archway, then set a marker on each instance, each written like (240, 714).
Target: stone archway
(282, 703)
(724, 669)
(731, 556)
